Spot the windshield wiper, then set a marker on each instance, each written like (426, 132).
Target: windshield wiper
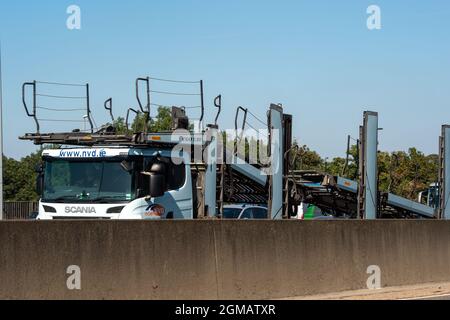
(62, 198)
(106, 198)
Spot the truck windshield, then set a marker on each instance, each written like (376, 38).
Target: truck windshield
(89, 181)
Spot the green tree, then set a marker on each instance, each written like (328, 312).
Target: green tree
(402, 173)
(120, 126)
(407, 173)
(307, 159)
(336, 166)
(19, 178)
(162, 122)
(345, 168)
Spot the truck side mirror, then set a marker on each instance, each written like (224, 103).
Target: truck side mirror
(39, 169)
(157, 179)
(40, 183)
(157, 185)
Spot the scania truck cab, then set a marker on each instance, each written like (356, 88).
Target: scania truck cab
(114, 183)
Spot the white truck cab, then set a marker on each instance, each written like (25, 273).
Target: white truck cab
(113, 183)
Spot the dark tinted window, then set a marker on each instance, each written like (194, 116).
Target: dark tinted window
(231, 213)
(247, 214)
(176, 175)
(259, 213)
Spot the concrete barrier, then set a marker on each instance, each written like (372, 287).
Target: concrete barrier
(216, 259)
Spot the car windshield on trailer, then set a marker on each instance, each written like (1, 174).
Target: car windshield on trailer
(231, 213)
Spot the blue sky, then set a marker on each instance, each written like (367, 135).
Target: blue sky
(317, 58)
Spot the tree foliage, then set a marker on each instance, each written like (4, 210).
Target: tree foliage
(19, 178)
(407, 173)
(307, 159)
(162, 122)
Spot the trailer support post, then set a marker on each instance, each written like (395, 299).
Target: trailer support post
(368, 184)
(444, 173)
(211, 170)
(276, 162)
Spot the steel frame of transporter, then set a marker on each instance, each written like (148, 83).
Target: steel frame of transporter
(347, 198)
(209, 184)
(136, 174)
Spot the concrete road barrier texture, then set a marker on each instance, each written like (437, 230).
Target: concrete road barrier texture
(216, 259)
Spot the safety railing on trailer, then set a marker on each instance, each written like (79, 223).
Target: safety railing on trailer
(239, 136)
(128, 115)
(239, 130)
(145, 110)
(38, 95)
(106, 133)
(291, 193)
(153, 90)
(108, 106)
(218, 105)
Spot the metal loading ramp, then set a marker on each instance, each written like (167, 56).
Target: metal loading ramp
(362, 199)
(339, 196)
(334, 195)
(254, 183)
(240, 189)
(392, 204)
(242, 182)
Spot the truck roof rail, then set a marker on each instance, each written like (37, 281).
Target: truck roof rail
(79, 138)
(218, 104)
(128, 115)
(146, 110)
(108, 106)
(244, 121)
(36, 105)
(176, 93)
(30, 114)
